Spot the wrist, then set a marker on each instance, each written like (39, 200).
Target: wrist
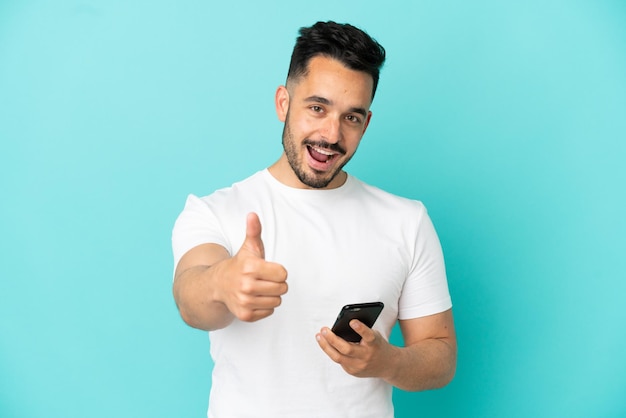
(394, 364)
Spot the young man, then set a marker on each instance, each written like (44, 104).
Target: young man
(266, 264)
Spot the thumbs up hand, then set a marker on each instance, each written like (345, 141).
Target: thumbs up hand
(253, 242)
(250, 287)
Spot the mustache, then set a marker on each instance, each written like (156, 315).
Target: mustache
(325, 145)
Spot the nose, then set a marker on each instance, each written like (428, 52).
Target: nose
(331, 131)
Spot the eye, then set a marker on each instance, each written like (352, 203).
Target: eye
(353, 118)
(316, 108)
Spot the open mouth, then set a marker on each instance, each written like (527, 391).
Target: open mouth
(321, 155)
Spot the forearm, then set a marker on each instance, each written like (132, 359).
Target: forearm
(428, 364)
(193, 293)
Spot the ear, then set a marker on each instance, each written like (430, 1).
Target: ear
(281, 101)
(367, 122)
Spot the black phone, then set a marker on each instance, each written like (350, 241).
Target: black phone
(364, 312)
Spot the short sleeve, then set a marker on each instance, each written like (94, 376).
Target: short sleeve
(425, 291)
(196, 225)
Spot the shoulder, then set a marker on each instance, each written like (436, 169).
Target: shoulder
(250, 185)
(217, 218)
(224, 203)
(385, 200)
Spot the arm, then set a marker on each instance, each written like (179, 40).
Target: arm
(194, 284)
(427, 361)
(211, 288)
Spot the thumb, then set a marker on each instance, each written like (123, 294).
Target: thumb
(253, 241)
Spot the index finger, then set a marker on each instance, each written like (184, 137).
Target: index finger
(272, 272)
(334, 345)
(366, 333)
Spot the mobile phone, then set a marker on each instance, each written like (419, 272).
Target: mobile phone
(364, 312)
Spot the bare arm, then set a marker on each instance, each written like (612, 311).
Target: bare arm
(427, 361)
(211, 288)
(194, 284)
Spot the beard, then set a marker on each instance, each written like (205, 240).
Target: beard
(314, 179)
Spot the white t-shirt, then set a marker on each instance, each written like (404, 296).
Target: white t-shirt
(352, 244)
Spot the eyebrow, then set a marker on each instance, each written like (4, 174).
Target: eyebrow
(318, 99)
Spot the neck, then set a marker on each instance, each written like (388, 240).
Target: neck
(281, 170)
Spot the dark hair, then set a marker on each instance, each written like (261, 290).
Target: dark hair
(349, 45)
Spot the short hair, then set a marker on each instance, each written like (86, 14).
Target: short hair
(349, 45)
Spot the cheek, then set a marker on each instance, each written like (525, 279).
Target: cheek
(352, 147)
(303, 128)
(352, 139)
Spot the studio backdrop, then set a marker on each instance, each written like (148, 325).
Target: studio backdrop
(507, 119)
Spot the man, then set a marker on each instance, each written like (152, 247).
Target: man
(266, 264)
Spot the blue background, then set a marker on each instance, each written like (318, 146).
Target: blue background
(507, 119)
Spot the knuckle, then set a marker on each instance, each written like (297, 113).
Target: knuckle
(249, 266)
(246, 286)
(244, 301)
(349, 350)
(246, 268)
(246, 315)
(336, 357)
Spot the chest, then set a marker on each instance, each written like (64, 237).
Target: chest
(337, 260)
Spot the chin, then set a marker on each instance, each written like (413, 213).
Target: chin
(318, 180)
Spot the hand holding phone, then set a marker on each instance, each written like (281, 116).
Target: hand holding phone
(364, 312)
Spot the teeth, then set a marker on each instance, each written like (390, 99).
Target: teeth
(323, 151)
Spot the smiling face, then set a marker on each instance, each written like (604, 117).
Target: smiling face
(326, 113)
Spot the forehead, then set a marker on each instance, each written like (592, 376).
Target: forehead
(329, 78)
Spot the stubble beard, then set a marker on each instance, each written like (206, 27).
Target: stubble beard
(317, 180)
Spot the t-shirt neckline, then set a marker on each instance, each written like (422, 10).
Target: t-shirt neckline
(275, 183)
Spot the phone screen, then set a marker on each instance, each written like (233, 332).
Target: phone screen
(364, 312)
